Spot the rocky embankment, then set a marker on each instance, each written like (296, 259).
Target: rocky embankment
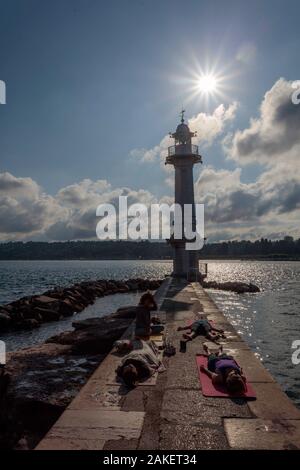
(38, 383)
(30, 312)
(238, 287)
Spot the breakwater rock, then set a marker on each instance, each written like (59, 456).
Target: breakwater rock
(238, 287)
(29, 312)
(42, 381)
(96, 338)
(38, 383)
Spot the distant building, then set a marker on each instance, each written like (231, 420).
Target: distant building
(183, 155)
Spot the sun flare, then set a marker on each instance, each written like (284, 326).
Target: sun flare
(207, 84)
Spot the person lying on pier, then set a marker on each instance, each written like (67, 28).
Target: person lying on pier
(224, 370)
(140, 364)
(144, 324)
(202, 327)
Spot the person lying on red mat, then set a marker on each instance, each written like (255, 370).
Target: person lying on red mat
(224, 370)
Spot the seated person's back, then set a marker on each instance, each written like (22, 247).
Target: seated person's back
(143, 317)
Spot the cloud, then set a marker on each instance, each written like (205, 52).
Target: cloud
(82, 199)
(83, 193)
(274, 134)
(207, 126)
(241, 210)
(24, 207)
(25, 188)
(271, 204)
(233, 209)
(210, 126)
(27, 212)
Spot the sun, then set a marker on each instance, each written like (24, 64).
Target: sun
(207, 84)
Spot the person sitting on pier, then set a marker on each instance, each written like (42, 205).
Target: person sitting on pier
(224, 370)
(202, 327)
(144, 324)
(140, 363)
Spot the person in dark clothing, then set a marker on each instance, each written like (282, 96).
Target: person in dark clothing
(143, 324)
(202, 327)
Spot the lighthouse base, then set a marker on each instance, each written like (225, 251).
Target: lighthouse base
(185, 263)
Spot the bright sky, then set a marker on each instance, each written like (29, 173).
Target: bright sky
(93, 88)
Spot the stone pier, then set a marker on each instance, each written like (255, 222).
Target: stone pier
(169, 411)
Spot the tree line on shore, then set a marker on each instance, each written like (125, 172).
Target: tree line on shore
(286, 248)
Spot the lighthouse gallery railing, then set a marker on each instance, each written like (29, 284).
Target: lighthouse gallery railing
(181, 149)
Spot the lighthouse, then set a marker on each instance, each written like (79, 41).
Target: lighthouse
(183, 155)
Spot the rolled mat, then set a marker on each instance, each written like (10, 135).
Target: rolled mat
(156, 337)
(211, 390)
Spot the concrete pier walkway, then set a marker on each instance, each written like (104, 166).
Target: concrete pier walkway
(169, 411)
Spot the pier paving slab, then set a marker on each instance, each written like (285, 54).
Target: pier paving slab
(180, 315)
(86, 424)
(231, 336)
(186, 437)
(263, 434)
(215, 317)
(121, 444)
(64, 443)
(136, 399)
(182, 374)
(235, 345)
(272, 403)
(150, 438)
(97, 395)
(181, 406)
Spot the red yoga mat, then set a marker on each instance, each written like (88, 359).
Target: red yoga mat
(211, 390)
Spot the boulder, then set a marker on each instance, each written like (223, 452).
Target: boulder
(27, 324)
(66, 308)
(97, 339)
(125, 312)
(45, 300)
(8, 308)
(233, 286)
(87, 323)
(47, 314)
(5, 321)
(16, 316)
(253, 288)
(132, 285)
(29, 313)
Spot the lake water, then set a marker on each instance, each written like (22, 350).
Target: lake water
(269, 321)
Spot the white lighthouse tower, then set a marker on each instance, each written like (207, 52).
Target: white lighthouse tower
(183, 155)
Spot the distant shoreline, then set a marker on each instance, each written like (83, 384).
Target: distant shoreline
(287, 249)
(214, 258)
